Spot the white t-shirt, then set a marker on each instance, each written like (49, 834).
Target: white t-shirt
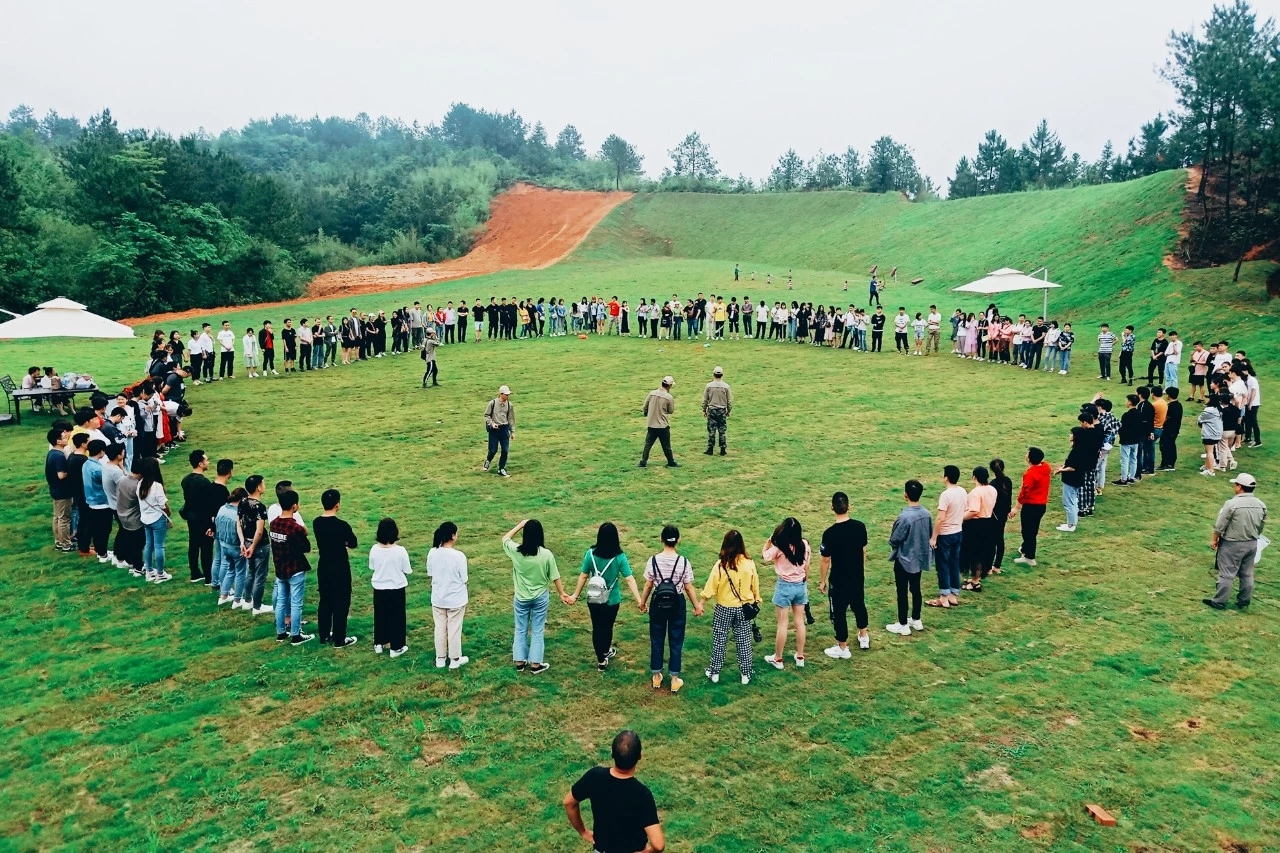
(206, 343)
(762, 313)
(227, 339)
(935, 321)
(274, 511)
(447, 568)
(1255, 391)
(900, 323)
(1173, 355)
(389, 565)
(195, 346)
(919, 326)
(1239, 391)
(151, 505)
(1221, 358)
(250, 346)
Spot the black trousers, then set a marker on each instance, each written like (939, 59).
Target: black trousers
(268, 360)
(1155, 371)
(449, 333)
(84, 527)
(602, 618)
(208, 367)
(997, 538)
(433, 371)
(389, 618)
(1251, 431)
(226, 364)
(843, 597)
(493, 329)
(199, 552)
(335, 603)
(197, 365)
(1038, 351)
(94, 529)
(462, 330)
(1104, 365)
(662, 435)
(906, 582)
(1031, 516)
(304, 356)
(129, 544)
(1168, 449)
(900, 341)
(1126, 366)
(877, 341)
(760, 330)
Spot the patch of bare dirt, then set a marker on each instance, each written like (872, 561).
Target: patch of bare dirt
(994, 778)
(1178, 260)
(1037, 832)
(529, 228)
(1143, 734)
(436, 751)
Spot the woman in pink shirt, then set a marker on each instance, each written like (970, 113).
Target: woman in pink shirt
(977, 548)
(788, 550)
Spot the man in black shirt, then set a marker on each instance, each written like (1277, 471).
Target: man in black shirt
(492, 318)
(842, 577)
(877, 329)
(289, 335)
(1038, 332)
(1172, 426)
(1155, 367)
(625, 817)
(333, 572)
(197, 512)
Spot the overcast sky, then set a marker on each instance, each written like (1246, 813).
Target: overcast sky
(754, 78)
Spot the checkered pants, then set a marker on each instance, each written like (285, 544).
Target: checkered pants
(723, 620)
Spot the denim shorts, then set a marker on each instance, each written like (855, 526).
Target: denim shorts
(790, 594)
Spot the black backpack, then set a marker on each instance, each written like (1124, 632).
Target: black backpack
(666, 595)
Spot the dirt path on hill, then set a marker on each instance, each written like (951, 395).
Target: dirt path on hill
(1176, 260)
(529, 228)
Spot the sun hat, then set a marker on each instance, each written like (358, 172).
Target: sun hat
(504, 390)
(668, 381)
(1245, 480)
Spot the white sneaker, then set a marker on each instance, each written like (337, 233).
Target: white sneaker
(223, 599)
(112, 557)
(1062, 373)
(1031, 563)
(746, 679)
(714, 676)
(377, 649)
(259, 611)
(799, 661)
(774, 661)
(1021, 559)
(838, 653)
(277, 373)
(916, 625)
(395, 653)
(458, 663)
(1067, 528)
(162, 577)
(441, 663)
(104, 559)
(895, 628)
(864, 641)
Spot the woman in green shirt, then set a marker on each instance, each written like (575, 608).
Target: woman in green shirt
(533, 570)
(608, 563)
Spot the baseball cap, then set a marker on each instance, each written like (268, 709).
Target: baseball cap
(718, 371)
(1245, 480)
(667, 380)
(504, 390)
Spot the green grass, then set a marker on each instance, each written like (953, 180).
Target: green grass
(139, 718)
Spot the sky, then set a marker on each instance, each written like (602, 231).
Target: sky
(754, 79)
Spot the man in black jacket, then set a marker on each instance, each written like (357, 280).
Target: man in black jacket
(1147, 452)
(1172, 426)
(197, 511)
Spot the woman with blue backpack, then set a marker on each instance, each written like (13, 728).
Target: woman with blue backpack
(668, 581)
(603, 568)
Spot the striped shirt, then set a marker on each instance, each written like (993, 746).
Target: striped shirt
(1106, 343)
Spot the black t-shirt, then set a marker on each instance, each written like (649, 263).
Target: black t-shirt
(290, 337)
(55, 462)
(1038, 332)
(333, 538)
(1158, 346)
(198, 508)
(492, 311)
(75, 475)
(844, 542)
(621, 809)
(218, 495)
(877, 322)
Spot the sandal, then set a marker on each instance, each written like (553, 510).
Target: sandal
(995, 570)
(971, 586)
(937, 602)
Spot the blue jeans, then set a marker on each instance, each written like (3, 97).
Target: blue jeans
(1051, 358)
(256, 574)
(1147, 464)
(693, 328)
(499, 436)
(1128, 461)
(215, 568)
(235, 570)
(947, 562)
(1064, 359)
(531, 624)
(153, 555)
(676, 325)
(862, 340)
(1171, 374)
(288, 594)
(1071, 503)
(667, 629)
(791, 329)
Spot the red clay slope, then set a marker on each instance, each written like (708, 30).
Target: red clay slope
(529, 228)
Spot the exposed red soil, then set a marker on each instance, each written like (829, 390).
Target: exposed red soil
(529, 228)
(1177, 260)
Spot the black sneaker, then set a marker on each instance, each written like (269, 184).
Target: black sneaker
(1209, 602)
(1240, 606)
(724, 452)
(708, 452)
(349, 641)
(539, 668)
(611, 654)
(602, 666)
(673, 464)
(520, 666)
(643, 465)
(280, 638)
(299, 639)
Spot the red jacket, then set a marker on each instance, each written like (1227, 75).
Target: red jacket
(1035, 485)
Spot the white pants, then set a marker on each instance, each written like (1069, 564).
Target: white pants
(449, 631)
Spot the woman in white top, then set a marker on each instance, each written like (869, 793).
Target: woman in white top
(389, 563)
(447, 568)
(154, 510)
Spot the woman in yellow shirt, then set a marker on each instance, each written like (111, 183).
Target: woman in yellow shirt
(733, 583)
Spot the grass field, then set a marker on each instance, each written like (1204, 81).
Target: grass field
(138, 717)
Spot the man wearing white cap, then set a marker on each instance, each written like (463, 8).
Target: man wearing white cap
(717, 402)
(658, 408)
(1235, 538)
(500, 421)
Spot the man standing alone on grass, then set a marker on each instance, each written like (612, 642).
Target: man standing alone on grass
(625, 817)
(658, 408)
(198, 514)
(1235, 538)
(717, 404)
(429, 356)
(1106, 344)
(289, 549)
(842, 576)
(500, 422)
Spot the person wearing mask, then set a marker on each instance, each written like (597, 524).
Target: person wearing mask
(500, 423)
(668, 582)
(910, 549)
(842, 576)
(603, 567)
(1235, 540)
(717, 405)
(948, 536)
(658, 408)
(734, 586)
(198, 511)
(154, 514)
(533, 572)
(390, 567)
(789, 552)
(624, 815)
(447, 568)
(334, 539)
(289, 548)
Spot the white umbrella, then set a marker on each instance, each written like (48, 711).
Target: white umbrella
(62, 318)
(1008, 280)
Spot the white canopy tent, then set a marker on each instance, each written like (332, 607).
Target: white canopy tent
(1008, 280)
(62, 318)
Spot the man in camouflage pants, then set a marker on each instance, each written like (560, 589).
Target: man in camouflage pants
(717, 401)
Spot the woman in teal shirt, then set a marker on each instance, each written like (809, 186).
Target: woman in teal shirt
(607, 562)
(533, 570)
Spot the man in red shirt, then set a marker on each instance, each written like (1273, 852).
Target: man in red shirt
(615, 311)
(1033, 497)
(289, 548)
